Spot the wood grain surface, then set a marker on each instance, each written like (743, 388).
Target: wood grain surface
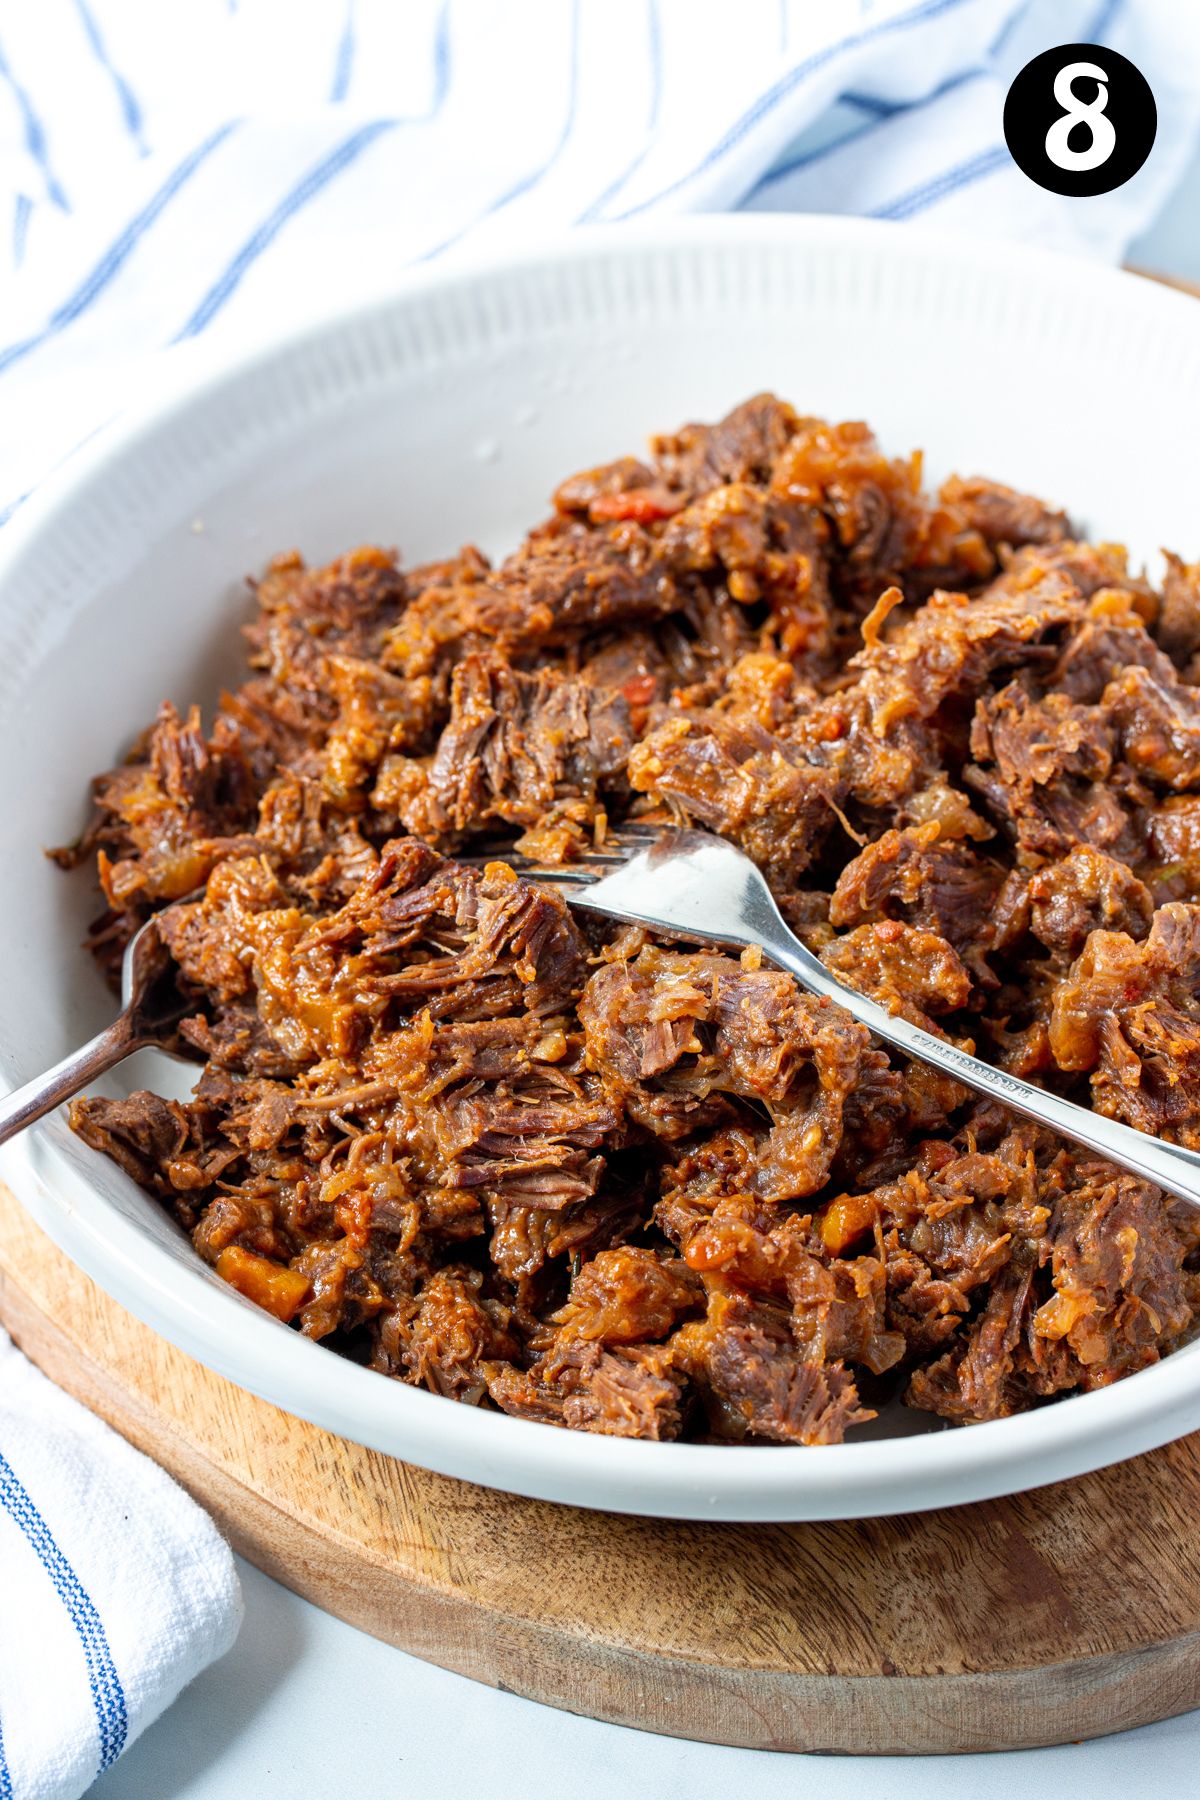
(1051, 1616)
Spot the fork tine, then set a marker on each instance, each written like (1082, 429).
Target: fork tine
(587, 867)
(510, 854)
(534, 871)
(578, 873)
(559, 874)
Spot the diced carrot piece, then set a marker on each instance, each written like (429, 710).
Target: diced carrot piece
(643, 505)
(273, 1286)
(845, 1219)
(640, 690)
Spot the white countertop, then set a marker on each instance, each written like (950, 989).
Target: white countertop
(305, 1702)
(304, 1705)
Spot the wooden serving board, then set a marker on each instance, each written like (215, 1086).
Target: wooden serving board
(1057, 1615)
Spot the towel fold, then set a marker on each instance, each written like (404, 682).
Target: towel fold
(115, 1589)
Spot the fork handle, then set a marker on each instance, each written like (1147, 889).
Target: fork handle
(1168, 1166)
(66, 1078)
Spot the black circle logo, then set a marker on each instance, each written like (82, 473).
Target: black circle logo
(1080, 119)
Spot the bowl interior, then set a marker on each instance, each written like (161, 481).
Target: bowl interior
(448, 414)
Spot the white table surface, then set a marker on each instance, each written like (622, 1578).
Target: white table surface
(303, 1703)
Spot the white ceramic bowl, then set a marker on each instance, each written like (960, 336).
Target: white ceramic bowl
(447, 411)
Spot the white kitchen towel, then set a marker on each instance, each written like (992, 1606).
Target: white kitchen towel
(218, 167)
(115, 1589)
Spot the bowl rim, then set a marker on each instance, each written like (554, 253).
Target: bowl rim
(181, 1302)
(179, 373)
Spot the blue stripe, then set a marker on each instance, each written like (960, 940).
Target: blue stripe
(535, 176)
(888, 109)
(35, 135)
(878, 109)
(118, 253)
(1101, 25)
(881, 111)
(986, 162)
(6, 512)
(614, 187)
(108, 1696)
(6, 1786)
(767, 102)
(21, 214)
(131, 112)
(441, 67)
(812, 156)
(318, 177)
(344, 61)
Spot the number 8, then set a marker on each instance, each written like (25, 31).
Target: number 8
(1103, 137)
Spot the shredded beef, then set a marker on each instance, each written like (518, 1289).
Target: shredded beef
(1177, 627)
(734, 777)
(600, 1181)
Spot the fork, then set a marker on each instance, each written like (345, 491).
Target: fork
(701, 888)
(149, 1009)
(694, 886)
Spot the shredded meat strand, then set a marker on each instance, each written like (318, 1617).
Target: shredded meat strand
(615, 1184)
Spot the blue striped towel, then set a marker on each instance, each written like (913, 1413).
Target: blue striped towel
(217, 168)
(115, 1590)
